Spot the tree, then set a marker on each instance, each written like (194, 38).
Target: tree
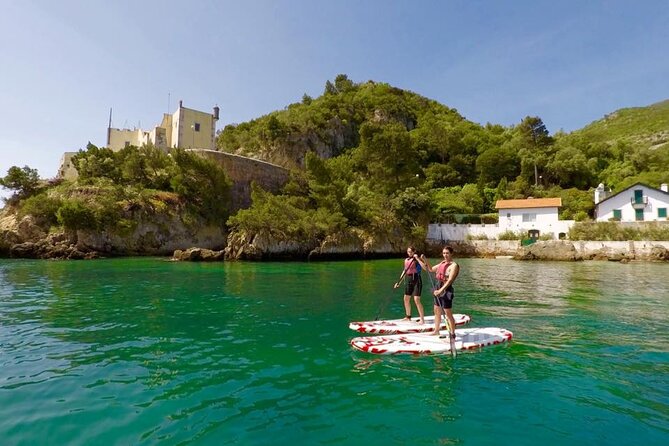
(23, 180)
(497, 163)
(330, 88)
(386, 154)
(343, 83)
(535, 144)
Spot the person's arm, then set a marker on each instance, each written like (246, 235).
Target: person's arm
(397, 284)
(423, 261)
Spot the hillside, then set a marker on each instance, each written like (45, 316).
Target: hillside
(641, 127)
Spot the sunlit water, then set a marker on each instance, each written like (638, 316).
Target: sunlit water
(144, 351)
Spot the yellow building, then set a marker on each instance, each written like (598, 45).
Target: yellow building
(185, 128)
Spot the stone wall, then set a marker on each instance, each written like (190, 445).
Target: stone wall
(242, 171)
(559, 249)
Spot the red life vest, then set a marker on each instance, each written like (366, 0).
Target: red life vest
(442, 276)
(410, 265)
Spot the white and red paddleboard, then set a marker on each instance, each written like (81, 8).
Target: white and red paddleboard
(403, 326)
(424, 343)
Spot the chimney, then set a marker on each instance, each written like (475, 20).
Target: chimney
(216, 112)
(180, 103)
(664, 187)
(600, 193)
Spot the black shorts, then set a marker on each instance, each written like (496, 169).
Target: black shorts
(414, 285)
(445, 300)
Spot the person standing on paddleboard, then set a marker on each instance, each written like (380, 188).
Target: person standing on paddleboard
(414, 284)
(446, 271)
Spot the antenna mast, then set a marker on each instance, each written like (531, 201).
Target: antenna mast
(109, 126)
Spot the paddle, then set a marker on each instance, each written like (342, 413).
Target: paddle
(454, 352)
(402, 276)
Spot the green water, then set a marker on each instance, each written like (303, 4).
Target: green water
(144, 351)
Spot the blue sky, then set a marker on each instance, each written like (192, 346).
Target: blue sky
(66, 63)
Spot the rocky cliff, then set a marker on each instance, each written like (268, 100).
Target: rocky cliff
(152, 233)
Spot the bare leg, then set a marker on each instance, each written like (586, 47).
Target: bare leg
(421, 311)
(437, 320)
(451, 320)
(407, 307)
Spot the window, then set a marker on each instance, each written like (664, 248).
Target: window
(638, 214)
(196, 126)
(662, 212)
(617, 214)
(527, 218)
(638, 197)
(508, 215)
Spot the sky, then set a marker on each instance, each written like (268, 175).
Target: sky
(65, 64)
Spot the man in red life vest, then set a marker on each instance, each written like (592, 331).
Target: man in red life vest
(446, 271)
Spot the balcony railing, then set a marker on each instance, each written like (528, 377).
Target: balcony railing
(639, 202)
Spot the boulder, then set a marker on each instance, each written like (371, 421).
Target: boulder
(198, 255)
(560, 250)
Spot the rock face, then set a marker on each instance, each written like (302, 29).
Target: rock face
(198, 255)
(151, 234)
(351, 244)
(550, 250)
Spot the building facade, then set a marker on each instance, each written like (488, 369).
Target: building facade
(534, 216)
(531, 217)
(639, 202)
(185, 128)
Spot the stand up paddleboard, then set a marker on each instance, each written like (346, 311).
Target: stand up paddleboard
(423, 343)
(403, 326)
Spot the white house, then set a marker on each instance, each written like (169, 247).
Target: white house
(535, 216)
(638, 202)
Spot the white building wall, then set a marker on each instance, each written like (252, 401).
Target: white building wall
(119, 138)
(447, 231)
(66, 169)
(623, 201)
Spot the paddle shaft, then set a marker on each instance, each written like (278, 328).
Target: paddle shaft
(378, 313)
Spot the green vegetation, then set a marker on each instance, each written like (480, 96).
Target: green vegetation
(381, 158)
(611, 231)
(115, 188)
(25, 181)
(364, 157)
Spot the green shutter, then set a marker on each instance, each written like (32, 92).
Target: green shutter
(638, 197)
(662, 212)
(617, 214)
(638, 214)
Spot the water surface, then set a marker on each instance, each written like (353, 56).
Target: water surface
(144, 351)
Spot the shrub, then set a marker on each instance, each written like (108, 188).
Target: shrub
(42, 207)
(75, 214)
(509, 235)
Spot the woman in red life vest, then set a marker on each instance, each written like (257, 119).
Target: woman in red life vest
(446, 272)
(414, 284)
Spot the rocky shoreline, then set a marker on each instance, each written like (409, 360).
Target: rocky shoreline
(159, 237)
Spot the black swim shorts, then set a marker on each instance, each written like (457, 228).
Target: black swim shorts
(445, 300)
(414, 285)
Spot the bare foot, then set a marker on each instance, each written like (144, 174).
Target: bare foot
(407, 319)
(434, 333)
(421, 321)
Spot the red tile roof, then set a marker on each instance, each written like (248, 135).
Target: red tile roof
(529, 203)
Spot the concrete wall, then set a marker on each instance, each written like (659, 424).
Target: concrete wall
(242, 171)
(447, 231)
